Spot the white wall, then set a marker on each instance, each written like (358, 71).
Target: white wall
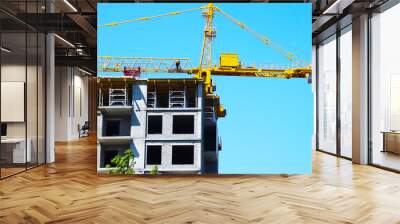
(71, 102)
(81, 104)
(61, 103)
(138, 127)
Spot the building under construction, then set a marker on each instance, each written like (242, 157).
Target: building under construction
(167, 123)
(172, 123)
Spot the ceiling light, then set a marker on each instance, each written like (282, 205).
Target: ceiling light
(70, 5)
(86, 72)
(80, 51)
(5, 50)
(337, 7)
(65, 41)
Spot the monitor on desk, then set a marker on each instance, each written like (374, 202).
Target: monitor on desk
(3, 130)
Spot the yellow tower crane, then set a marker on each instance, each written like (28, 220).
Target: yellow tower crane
(229, 64)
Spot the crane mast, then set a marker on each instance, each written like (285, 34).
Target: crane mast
(209, 34)
(206, 51)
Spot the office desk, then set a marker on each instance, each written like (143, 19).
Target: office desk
(13, 150)
(391, 141)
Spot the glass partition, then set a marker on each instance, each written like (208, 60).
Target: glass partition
(327, 95)
(13, 95)
(31, 97)
(385, 89)
(22, 94)
(346, 92)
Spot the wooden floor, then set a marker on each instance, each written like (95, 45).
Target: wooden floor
(5, 172)
(386, 159)
(70, 191)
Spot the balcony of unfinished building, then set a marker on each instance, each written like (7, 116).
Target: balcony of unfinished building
(174, 95)
(115, 100)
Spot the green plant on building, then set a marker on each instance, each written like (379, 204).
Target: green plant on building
(122, 164)
(154, 170)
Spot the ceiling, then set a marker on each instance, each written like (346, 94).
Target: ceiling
(332, 15)
(74, 22)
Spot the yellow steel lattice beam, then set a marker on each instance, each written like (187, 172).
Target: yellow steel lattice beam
(148, 17)
(169, 65)
(147, 65)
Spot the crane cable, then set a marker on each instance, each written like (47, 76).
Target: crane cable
(291, 57)
(149, 17)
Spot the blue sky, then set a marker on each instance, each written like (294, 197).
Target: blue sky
(269, 123)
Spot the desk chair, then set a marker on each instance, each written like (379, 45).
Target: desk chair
(84, 130)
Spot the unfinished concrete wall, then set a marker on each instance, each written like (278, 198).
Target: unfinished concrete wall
(167, 125)
(166, 156)
(138, 126)
(167, 138)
